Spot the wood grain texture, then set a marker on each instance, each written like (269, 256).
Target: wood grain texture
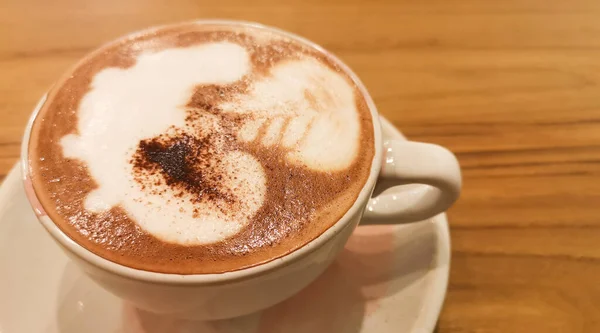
(512, 86)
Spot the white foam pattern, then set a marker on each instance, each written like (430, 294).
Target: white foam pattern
(306, 107)
(309, 109)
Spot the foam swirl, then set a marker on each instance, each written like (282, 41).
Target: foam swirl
(306, 107)
(126, 106)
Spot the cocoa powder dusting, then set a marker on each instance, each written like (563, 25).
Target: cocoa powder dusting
(300, 203)
(187, 165)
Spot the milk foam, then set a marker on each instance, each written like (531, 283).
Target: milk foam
(301, 105)
(306, 107)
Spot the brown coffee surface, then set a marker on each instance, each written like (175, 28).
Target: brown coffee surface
(300, 203)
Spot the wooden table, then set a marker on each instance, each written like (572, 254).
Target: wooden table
(511, 86)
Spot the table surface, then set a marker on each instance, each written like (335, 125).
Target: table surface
(512, 87)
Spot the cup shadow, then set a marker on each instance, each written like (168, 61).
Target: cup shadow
(377, 262)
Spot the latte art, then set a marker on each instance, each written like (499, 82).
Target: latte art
(305, 107)
(201, 149)
(156, 89)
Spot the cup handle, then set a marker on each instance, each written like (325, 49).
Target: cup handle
(407, 162)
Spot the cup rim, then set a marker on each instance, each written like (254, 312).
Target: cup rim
(244, 273)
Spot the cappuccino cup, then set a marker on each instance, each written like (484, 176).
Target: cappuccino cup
(210, 169)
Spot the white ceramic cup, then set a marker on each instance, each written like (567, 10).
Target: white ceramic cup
(231, 294)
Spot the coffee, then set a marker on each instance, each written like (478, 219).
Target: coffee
(201, 148)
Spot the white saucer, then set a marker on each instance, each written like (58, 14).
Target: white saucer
(389, 279)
